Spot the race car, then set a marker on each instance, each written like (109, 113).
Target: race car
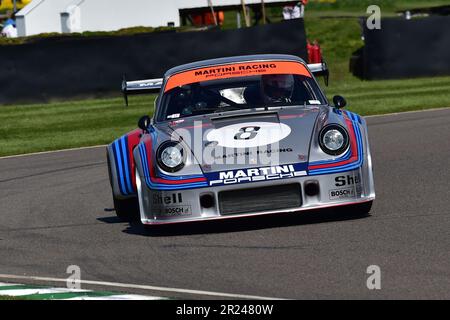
(236, 137)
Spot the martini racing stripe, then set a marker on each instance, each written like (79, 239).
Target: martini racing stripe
(124, 148)
(357, 157)
(165, 182)
(120, 147)
(118, 162)
(346, 156)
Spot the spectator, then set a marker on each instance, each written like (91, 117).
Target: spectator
(207, 19)
(295, 10)
(9, 27)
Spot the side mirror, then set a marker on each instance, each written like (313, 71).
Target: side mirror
(144, 122)
(339, 102)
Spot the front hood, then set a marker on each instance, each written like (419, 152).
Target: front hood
(245, 140)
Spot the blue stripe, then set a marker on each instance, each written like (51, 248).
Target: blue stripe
(343, 158)
(160, 186)
(348, 166)
(359, 118)
(124, 143)
(360, 156)
(143, 161)
(167, 177)
(346, 156)
(117, 157)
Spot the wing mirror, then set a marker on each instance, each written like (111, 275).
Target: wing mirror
(339, 102)
(144, 122)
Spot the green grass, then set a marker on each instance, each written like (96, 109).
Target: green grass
(60, 125)
(9, 298)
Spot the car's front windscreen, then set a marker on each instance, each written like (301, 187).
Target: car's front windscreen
(238, 87)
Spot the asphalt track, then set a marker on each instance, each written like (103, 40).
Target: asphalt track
(55, 212)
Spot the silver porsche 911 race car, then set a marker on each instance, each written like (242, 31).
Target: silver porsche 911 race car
(240, 136)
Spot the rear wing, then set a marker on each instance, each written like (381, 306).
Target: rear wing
(148, 86)
(320, 70)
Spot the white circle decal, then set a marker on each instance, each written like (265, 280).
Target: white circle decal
(249, 134)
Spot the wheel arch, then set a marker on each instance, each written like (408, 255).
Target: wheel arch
(121, 164)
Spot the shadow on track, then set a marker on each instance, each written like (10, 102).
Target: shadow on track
(240, 224)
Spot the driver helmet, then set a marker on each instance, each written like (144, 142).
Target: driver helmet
(277, 87)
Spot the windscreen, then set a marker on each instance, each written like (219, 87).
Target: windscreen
(235, 87)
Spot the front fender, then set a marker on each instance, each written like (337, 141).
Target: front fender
(122, 165)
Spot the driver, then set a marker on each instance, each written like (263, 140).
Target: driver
(277, 88)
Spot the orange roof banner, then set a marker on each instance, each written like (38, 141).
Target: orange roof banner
(236, 70)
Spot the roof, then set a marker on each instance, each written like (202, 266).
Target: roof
(234, 59)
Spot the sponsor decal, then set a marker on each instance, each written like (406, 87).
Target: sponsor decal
(249, 134)
(173, 198)
(173, 211)
(245, 69)
(347, 180)
(256, 174)
(342, 193)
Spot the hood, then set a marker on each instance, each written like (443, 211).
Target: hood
(245, 140)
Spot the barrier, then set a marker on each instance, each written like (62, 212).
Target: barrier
(94, 66)
(405, 49)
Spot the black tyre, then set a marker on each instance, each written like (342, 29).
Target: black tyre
(126, 209)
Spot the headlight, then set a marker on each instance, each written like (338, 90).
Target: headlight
(170, 156)
(333, 139)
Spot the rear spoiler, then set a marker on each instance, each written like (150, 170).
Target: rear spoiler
(140, 87)
(148, 86)
(320, 70)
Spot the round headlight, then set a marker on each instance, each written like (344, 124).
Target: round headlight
(171, 156)
(333, 139)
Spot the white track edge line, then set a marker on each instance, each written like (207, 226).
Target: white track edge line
(52, 151)
(144, 287)
(405, 112)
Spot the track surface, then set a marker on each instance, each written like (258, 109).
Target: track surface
(54, 213)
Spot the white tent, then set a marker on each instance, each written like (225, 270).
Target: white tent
(44, 16)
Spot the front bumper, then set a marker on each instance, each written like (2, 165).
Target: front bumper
(167, 207)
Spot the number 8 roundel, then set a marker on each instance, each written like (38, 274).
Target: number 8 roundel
(249, 134)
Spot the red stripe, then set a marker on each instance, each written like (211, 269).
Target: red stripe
(160, 180)
(133, 141)
(353, 146)
(289, 116)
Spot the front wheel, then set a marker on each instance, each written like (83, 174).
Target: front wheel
(126, 209)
